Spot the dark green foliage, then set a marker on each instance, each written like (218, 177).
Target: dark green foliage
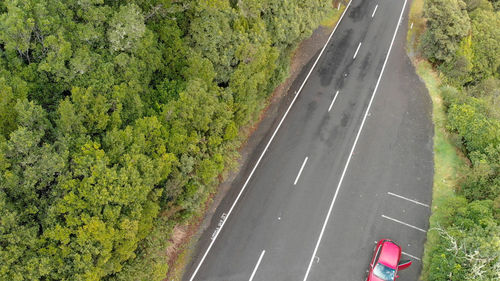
(116, 119)
(485, 43)
(447, 23)
(468, 246)
(465, 44)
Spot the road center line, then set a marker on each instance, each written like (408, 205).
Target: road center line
(374, 10)
(403, 223)
(356, 51)
(333, 101)
(408, 199)
(300, 172)
(353, 146)
(257, 265)
(413, 257)
(267, 146)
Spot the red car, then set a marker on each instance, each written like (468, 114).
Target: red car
(386, 262)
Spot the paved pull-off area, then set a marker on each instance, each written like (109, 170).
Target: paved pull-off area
(349, 163)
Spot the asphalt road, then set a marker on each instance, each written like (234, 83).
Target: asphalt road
(314, 205)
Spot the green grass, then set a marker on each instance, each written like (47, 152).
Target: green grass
(415, 31)
(447, 160)
(332, 17)
(180, 263)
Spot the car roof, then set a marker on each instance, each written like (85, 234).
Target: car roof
(390, 253)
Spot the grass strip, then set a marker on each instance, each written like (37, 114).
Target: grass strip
(448, 161)
(332, 17)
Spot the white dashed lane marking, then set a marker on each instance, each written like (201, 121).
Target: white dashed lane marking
(408, 199)
(257, 265)
(403, 223)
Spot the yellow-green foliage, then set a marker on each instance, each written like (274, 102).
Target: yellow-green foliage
(117, 117)
(416, 25)
(447, 162)
(333, 16)
(463, 242)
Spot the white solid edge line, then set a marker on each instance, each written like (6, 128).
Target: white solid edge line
(404, 223)
(300, 171)
(333, 101)
(374, 10)
(267, 146)
(353, 147)
(356, 51)
(257, 265)
(411, 256)
(408, 199)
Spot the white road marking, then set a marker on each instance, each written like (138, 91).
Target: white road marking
(267, 146)
(257, 265)
(353, 147)
(403, 223)
(408, 199)
(374, 10)
(356, 51)
(413, 257)
(300, 172)
(333, 101)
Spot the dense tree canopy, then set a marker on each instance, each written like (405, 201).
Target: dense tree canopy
(116, 117)
(448, 22)
(462, 39)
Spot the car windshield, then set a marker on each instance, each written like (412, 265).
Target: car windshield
(383, 272)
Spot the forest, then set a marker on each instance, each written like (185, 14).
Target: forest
(462, 41)
(117, 119)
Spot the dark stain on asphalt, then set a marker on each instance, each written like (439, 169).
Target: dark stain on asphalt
(364, 66)
(345, 119)
(310, 108)
(357, 13)
(322, 129)
(332, 137)
(333, 58)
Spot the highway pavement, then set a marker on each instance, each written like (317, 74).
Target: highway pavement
(349, 163)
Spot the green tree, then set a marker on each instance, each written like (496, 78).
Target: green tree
(117, 120)
(478, 131)
(447, 23)
(126, 28)
(486, 35)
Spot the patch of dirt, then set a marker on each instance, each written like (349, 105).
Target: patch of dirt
(178, 235)
(187, 236)
(182, 236)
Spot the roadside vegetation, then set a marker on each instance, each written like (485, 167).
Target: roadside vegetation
(333, 14)
(118, 118)
(455, 46)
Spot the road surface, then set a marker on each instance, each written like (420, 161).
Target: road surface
(349, 163)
